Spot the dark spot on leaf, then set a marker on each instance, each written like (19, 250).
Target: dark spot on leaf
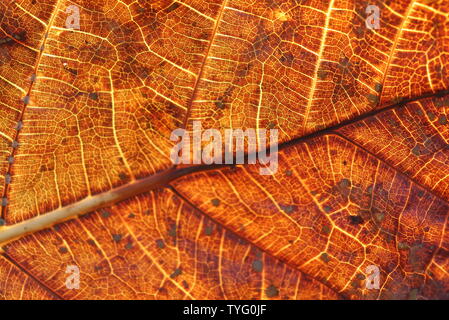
(123, 176)
(2, 222)
(355, 220)
(215, 202)
(271, 291)
(160, 244)
(105, 214)
(379, 216)
(287, 59)
(172, 230)
(63, 250)
(372, 98)
(327, 209)
(325, 229)
(257, 265)
(93, 96)
(322, 74)
(208, 230)
(173, 7)
(176, 273)
(117, 237)
(129, 246)
(325, 257)
(416, 151)
(378, 87)
(220, 104)
(442, 119)
(288, 208)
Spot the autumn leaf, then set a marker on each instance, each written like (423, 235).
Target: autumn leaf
(92, 90)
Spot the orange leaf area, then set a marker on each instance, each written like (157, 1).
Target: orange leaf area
(90, 92)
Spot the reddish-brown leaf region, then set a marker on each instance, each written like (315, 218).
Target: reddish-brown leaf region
(87, 182)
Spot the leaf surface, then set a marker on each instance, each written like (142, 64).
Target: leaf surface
(86, 177)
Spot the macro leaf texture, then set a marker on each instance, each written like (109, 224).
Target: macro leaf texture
(86, 177)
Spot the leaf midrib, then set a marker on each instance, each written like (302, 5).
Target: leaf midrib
(164, 178)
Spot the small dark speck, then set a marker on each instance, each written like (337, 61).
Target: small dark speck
(442, 119)
(355, 220)
(325, 257)
(416, 151)
(288, 173)
(176, 273)
(172, 231)
(322, 74)
(373, 98)
(327, 209)
(129, 246)
(14, 144)
(26, 99)
(219, 104)
(160, 244)
(288, 209)
(131, 215)
(345, 183)
(271, 291)
(4, 202)
(215, 202)
(257, 265)
(173, 7)
(63, 250)
(378, 87)
(105, 214)
(123, 176)
(208, 230)
(117, 237)
(2, 222)
(360, 276)
(326, 229)
(19, 125)
(93, 96)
